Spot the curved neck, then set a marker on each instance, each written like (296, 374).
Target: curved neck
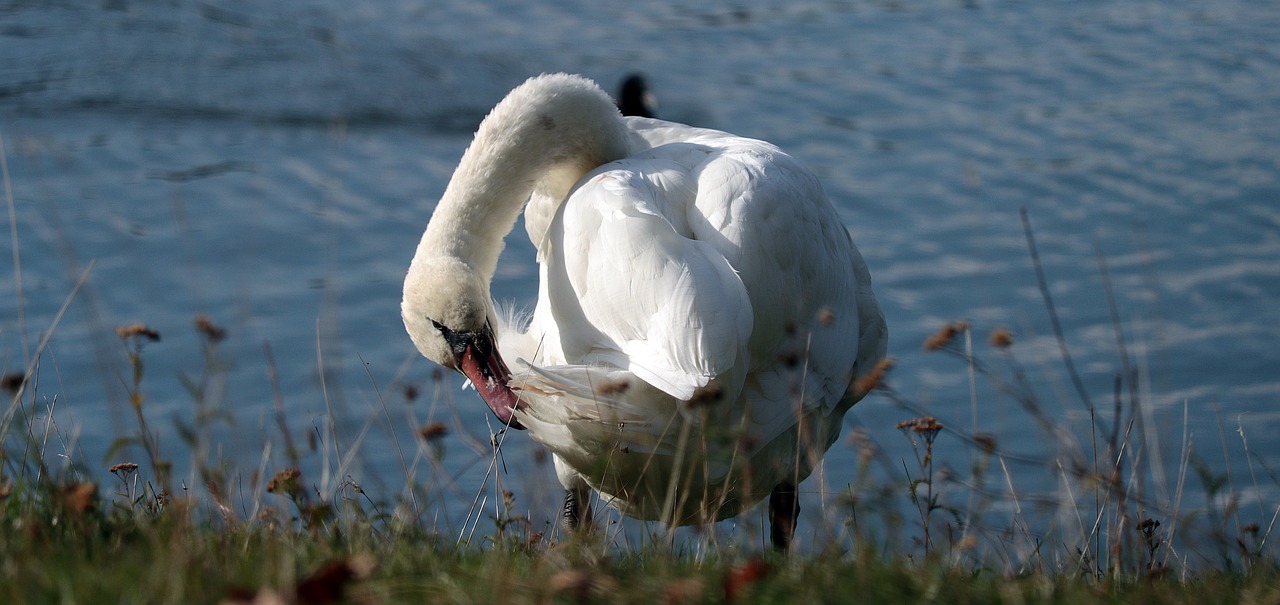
(543, 136)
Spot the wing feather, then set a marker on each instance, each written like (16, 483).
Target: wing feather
(663, 305)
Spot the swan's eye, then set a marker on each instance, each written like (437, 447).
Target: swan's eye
(458, 341)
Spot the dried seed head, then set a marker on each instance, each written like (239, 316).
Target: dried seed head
(928, 424)
(123, 467)
(986, 441)
(534, 540)
(433, 431)
(285, 481)
(410, 392)
(12, 381)
(874, 378)
(212, 331)
(866, 447)
(944, 335)
(137, 330)
(1001, 338)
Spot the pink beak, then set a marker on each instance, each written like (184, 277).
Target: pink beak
(478, 360)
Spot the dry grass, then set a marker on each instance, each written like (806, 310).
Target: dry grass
(123, 535)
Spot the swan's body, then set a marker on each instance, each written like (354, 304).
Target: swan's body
(701, 312)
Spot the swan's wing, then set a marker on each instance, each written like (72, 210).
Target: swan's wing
(770, 217)
(629, 289)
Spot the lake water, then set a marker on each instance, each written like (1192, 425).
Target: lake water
(273, 167)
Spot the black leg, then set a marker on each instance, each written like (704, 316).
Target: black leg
(577, 509)
(784, 513)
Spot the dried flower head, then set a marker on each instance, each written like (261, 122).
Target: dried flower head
(986, 441)
(410, 392)
(944, 335)
(1001, 338)
(123, 468)
(434, 430)
(928, 426)
(866, 447)
(285, 481)
(12, 381)
(874, 378)
(210, 330)
(138, 331)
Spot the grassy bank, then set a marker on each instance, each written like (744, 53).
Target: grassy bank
(74, 546)
(132, 534)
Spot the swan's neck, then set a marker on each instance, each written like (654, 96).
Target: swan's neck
(543, 137)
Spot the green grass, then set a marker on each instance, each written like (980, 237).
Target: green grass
(54, 551)
(65, 539)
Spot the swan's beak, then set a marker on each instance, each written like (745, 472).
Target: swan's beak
(478, 360)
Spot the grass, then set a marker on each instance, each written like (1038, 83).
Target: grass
(52, 550)
(129, 539)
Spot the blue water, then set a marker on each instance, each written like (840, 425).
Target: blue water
(273, 167)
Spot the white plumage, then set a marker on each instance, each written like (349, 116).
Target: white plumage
(702, 312)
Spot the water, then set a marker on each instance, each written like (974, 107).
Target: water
(273, 167)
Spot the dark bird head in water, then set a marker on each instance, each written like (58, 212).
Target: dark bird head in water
(635, 98)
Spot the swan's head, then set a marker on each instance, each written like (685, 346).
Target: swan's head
(448, 314)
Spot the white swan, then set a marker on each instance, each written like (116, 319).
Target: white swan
(701, 315)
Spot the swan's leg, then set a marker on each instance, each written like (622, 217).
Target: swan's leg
(577, 508)
(784, 512)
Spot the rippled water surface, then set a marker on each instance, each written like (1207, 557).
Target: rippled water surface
(273, 166)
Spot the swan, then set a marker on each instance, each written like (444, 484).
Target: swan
(702, 313)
